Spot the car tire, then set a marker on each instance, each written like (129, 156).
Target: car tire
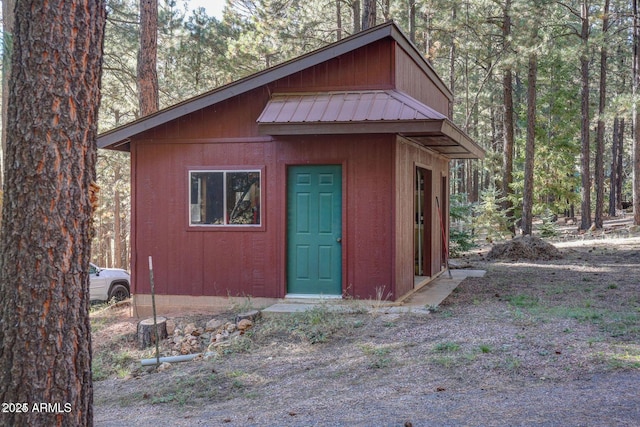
(118, 292)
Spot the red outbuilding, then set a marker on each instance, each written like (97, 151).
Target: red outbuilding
(326, 175)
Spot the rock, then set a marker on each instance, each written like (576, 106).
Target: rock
(189, 348)
(164, 366)
(188, 330)
(230, 327)
(244, 324)
(213, 325)
(171, 326)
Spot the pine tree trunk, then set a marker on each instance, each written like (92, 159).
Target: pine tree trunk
(600, 132)
(355, 7)
(117, 221)
(614, 168)
(585, 171)
(368, 14)
(45, 247)
(508, 134)
(8, 21)
(636, 117)
(338, 20)
(147, 58)
(527, 202)
(620, 165)
(412, 20)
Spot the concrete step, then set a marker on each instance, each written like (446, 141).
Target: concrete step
(421, 302)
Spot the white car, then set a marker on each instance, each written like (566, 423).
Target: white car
(108, 284)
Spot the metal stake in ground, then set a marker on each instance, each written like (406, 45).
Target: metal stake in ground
(444, 239)
(153, 304)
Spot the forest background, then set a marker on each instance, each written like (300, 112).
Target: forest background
(546, 87)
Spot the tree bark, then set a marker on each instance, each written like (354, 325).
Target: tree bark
(147, 331)
(636, 116)
(50, 196)
(355, 7)
(620, 165)
(613, 178)
(338, 20)
(368, 14)
(386, 10)
(585, 171)
(117, 220)
(147, 58)
(412, 20)
(8, 22)
(508, 134)
(527, 201)
(599, 166)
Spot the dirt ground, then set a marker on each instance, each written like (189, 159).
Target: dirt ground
(534, 342)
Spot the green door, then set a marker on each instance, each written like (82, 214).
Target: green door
(314, 230)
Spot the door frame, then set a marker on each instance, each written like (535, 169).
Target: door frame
(425, 250)
(284, 174)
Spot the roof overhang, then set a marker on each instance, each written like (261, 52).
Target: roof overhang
(366, 112)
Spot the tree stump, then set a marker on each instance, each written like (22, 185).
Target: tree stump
(146, 333)
(249, 315)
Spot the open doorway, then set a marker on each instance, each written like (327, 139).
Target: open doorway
(423, 211)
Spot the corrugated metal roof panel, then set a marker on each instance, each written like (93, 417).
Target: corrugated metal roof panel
(352, 106)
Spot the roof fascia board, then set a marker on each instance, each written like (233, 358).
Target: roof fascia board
(414, 128)
(423, 127)
(248, 83)
(453, 132)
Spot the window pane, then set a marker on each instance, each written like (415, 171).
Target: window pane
(207, 199)
(243, 197)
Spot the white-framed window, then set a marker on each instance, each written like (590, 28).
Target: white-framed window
(224, 197)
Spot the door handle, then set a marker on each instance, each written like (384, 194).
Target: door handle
(339, 240)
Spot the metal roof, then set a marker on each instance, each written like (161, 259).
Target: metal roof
(349, 106)
(361, 112)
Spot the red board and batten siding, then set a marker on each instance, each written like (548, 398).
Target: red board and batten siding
(370, 67)
(252, 262)
(410, 80)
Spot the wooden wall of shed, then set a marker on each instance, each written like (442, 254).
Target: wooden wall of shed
(408, 156)
(411, 80)
(253, 262)
(193, 261)
(368, 68)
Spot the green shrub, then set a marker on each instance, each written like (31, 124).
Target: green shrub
(491, 220)
(549, 228)
(461, 235)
